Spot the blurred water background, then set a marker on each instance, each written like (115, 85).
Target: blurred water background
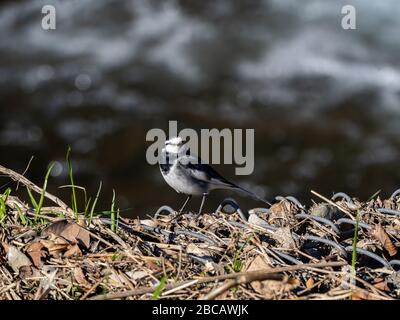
(324, 102)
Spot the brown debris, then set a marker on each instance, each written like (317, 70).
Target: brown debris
(69, 231)
(380, 234)
(215, 255)
(15, 258)
(281, 213)
(36, 252)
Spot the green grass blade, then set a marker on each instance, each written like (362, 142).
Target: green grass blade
(354, 253)
(3, 209)
(355, 240)
(117, 218)
(95, 202)
(6, 193)
(32, 198)
(71, 178)
(3, 206)
(157, 293)
(21, 216)
(40, 204)
(88, 202)
(237, 264)
(113, 224)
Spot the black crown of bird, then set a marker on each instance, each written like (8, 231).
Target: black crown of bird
(187, 174)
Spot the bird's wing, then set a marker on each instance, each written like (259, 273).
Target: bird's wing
(203, 172)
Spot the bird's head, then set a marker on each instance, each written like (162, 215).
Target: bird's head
(174, 144)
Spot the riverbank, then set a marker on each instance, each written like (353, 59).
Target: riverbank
(49, 250)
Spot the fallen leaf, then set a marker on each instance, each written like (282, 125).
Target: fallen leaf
(256, 220)
(79, 276)
(152, 266)
(284, 238)
(309, 283)
(361, 294)
(382, 285)
(114, 279)
(55, 245)
(49, 273)
(28, 272)
(269, 288)
(258, 263)
(281, 213)
(380, 234)
(73, 251)
(70, 231)
(35, 251)
(15, 258)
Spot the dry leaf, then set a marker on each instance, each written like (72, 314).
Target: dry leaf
(79, 276)
(258, 263)
(35, 251)
(46, 283)
(56, 228)
(380, 234)
(152, 266)
(361, 294)
(382, 285)
(15, 258)
(269, 288)
(309, 283)
(55, 245)
(284, 238)
(256, 220)
(114, 279)
(73, 251)
(28, 272)
(281, 213)
(70, 231)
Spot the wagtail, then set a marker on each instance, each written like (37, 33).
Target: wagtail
(186, 173)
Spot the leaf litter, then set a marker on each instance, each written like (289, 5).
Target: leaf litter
(285, 252)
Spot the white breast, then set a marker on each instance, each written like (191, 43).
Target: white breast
(181, 182)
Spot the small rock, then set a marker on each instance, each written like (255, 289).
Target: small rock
(325, 210)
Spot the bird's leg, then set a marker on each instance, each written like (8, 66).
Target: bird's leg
(184, 205)
(181, 209)
(202, 202)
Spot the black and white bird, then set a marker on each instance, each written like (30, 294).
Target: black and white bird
(186, 173)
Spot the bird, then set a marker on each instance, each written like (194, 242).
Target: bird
(187, 174)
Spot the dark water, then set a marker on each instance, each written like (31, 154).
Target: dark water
(324, 102)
